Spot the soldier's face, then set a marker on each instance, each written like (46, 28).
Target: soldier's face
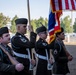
(43, 34)
(62, 36)
(0, 39)
(6, 38)
(23, 28)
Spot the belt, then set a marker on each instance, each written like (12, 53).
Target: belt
(21, 55)
(41, 56)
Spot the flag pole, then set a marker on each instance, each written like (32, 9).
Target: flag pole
(32, 51)
(28, 7)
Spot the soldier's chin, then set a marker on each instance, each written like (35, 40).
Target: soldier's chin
(63, 39)
(7, 42)
(25, 32)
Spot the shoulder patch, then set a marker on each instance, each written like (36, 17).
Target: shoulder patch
(23, 40)
(55, 51)
(44, 44)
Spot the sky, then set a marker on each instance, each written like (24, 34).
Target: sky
(37, 8)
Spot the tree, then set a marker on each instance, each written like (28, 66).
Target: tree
(33, 23)
(46, 22)
(37, 22)
(66, 24)
(62, 24)
(13, 25)
(74, 26)
(4, 20)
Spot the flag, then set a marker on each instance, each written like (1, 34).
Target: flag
(58, 5)
(53, 24)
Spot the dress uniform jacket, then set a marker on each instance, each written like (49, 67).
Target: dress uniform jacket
(6, 68)
(20, 44)
(60, 65)
(41, 47)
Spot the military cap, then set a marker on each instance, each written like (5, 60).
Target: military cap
(41, 29)
(3, 30)
(21, 21)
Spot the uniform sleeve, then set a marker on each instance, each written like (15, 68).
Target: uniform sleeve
(57, 57)
(51, 45)
(63, 59)
(5, 67)
(17, 41)
(33, 37)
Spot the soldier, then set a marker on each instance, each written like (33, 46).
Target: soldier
(61, 55)
(44, 65)
(22, 46)
(8, 65)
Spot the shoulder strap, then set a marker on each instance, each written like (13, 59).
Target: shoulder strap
(1, 53)
(13, 44)
(58, 44)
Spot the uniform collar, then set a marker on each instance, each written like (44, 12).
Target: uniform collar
(59, 40)
(42, 39)
(19, 34)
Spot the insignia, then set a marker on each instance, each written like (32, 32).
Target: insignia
(44, 44)
(20, 36)
(55, 51)
(23, 40)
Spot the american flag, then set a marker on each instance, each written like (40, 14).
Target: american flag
(58, 5)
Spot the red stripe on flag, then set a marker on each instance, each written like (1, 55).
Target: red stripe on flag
(60, 4)
(51, 33)
(52, 2)
(66, 4)
(72, 3)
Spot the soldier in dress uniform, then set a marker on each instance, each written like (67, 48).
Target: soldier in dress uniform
(22, 45)
(44, 65)
(8, 65)
(61, 55)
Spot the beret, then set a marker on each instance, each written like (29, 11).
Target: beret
(41, 29)
(21, 21)
(3, 30)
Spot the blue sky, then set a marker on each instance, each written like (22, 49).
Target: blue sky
(19, 7)
(12, 7)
